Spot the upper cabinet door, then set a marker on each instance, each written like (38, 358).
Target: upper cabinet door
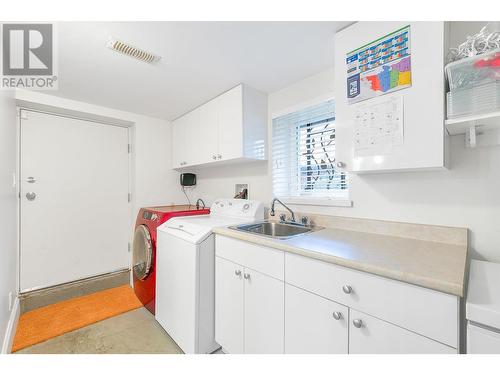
(313, 324)
(179, 142)
(231, 124)
(402, 127)
(191, 128)
(206, 134)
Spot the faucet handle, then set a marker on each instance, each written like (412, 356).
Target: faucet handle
(282, 218)
(304, 220)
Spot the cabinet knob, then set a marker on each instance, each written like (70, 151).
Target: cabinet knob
(219, 156)
(237, 272)
(246, 276)
(347, 289)
(337, 315)
(214, 157)
(358, 323)
(340, 164)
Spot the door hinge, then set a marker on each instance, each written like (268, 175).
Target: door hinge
(129, 148)
(129, 247)
(129, 197)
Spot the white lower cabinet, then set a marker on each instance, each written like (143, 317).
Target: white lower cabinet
(229, 305)
(249, 310)
(369, 335)
(264, 313)
(268, 301)
(313, 324)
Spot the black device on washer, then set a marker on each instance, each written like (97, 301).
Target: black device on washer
(188, 179)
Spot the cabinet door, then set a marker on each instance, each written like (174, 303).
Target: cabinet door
(313, 324)
(231, 124)
(178, 142)
(205, 134)
(191, 126)
(229, 305)
(264, 313)
(376, 336)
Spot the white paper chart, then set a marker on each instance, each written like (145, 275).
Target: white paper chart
(378, 126)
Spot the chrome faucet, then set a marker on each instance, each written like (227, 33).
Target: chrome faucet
(272, 213)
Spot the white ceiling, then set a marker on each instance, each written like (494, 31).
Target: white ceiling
(199, 61)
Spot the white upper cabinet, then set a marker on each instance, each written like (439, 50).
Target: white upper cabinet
(420, 143)
(231, 127)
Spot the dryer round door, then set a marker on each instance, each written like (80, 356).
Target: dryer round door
(142, 257)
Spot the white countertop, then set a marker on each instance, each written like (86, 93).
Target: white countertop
(434, 265)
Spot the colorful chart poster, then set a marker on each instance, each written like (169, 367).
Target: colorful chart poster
(380, 67)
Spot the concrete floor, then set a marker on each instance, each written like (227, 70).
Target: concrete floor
(134, 332)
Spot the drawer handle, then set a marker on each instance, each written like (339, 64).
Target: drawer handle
(337, 315)
(237, 272)
(358, 323)
(246, 276)
(347, 289)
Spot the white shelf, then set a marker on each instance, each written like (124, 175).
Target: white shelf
(482, 122)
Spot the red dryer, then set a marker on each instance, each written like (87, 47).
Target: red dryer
(144, 247)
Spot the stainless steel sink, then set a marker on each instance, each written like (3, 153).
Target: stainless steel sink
(275, 230)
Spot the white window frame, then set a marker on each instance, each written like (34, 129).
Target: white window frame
(308, 201)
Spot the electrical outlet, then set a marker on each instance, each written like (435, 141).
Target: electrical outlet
(11, 301)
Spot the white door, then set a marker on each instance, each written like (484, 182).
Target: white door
(75, 215)
(313, 324)
(231, 124)
(229, 305)
(205, 134)
(264, 314)
(369, 335)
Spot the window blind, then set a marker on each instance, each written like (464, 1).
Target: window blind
(304, 154)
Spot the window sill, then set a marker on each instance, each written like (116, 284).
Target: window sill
(317, 201)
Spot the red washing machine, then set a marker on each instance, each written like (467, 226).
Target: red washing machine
(144, 247)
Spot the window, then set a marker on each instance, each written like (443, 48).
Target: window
(304, 155)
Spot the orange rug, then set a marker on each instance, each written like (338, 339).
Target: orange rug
(53, 320)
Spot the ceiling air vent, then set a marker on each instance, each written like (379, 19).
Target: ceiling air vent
(132, 51)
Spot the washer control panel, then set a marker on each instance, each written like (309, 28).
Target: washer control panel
(246, 209)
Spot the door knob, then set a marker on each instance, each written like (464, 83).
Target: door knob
(337, 315)
(358, 323)
(31, 196)
(30, 180)
(347, 289)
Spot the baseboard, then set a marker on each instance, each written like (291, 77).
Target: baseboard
(11, 327)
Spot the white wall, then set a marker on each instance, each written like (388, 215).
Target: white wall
(8, 212)
(467, 195)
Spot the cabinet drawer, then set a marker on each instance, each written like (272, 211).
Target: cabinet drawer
(375, 336)
(427, 312)
(263, 259)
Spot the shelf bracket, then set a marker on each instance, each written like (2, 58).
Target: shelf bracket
(471, 139)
